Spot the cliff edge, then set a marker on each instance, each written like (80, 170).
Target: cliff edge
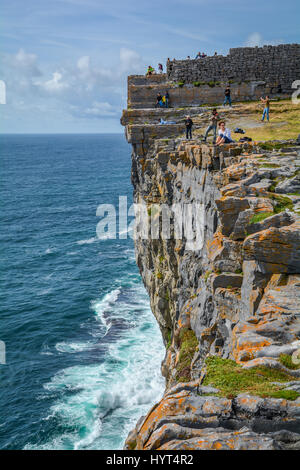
(223, 277)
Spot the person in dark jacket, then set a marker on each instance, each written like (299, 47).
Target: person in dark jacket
(227, 96)
(188, 126)
(213, 125)
(167, 97)
(158, 101)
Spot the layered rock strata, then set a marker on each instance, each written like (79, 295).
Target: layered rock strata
(226, 294)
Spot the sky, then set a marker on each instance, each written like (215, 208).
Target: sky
(64, 63)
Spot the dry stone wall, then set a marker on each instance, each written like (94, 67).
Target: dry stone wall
(277, 65)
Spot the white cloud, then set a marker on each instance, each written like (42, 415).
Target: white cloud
(130, 61)
(256, 39)
(56, 84)
(23, 62)
(82, 89)
(99, 109)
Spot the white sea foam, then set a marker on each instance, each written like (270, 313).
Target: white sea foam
(74, 347)
(88, 241)
(107, 398)
(103, 306)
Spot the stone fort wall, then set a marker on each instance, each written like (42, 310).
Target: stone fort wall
(275, 65)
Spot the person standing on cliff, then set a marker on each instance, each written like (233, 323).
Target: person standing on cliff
(188, 126)
(266, 111)
(213, 125)
(167, 97)
(160, 68)
(227, 96)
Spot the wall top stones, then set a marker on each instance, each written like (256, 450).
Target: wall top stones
(276, 65)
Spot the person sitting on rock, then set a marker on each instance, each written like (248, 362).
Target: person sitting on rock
(159, 102)
(198, 56)
(224, 136)
(188, 126)
(266, 111)
(215, 117)
(150, 71)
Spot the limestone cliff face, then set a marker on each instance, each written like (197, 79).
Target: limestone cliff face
(226, 297)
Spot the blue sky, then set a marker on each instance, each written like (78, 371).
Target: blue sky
(65, 62)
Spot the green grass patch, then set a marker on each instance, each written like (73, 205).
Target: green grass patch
(231, 379)
(286, 360)
(169, 339)
(188, 345)
(272, 145)
(269, 165)
(260, 216)
(282, 203)
(180, 84)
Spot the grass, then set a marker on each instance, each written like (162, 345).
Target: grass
(282, 203)
(286, 360)
(169, 339)
(188, 345)
(284, 121)
(231, 380)
(260, 216)
(269, 165)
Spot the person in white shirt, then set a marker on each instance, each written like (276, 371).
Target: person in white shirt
(224, 136)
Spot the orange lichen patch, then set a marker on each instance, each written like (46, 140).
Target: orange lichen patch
(214, 245)
(246, 343)
(217, 446)
(168, 406)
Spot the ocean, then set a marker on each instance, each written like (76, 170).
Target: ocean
(83, 350)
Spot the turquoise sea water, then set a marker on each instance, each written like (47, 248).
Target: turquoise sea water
(83, 350)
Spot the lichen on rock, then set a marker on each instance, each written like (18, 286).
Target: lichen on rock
(228, 300)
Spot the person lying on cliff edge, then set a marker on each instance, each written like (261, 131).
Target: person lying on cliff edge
(266, 111)
(188, 127)
(150, 71)
(224, 136)
(215, 117)
(227, 99)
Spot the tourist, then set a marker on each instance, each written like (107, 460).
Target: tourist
(216, 53)
(213, 125)
(167, 97)
(227, 96)
(188, 126)
(198, 56)
(150, 71)
(266, 111)
(224, 136)
(159, 102)
(160, 68)
(188, 57)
